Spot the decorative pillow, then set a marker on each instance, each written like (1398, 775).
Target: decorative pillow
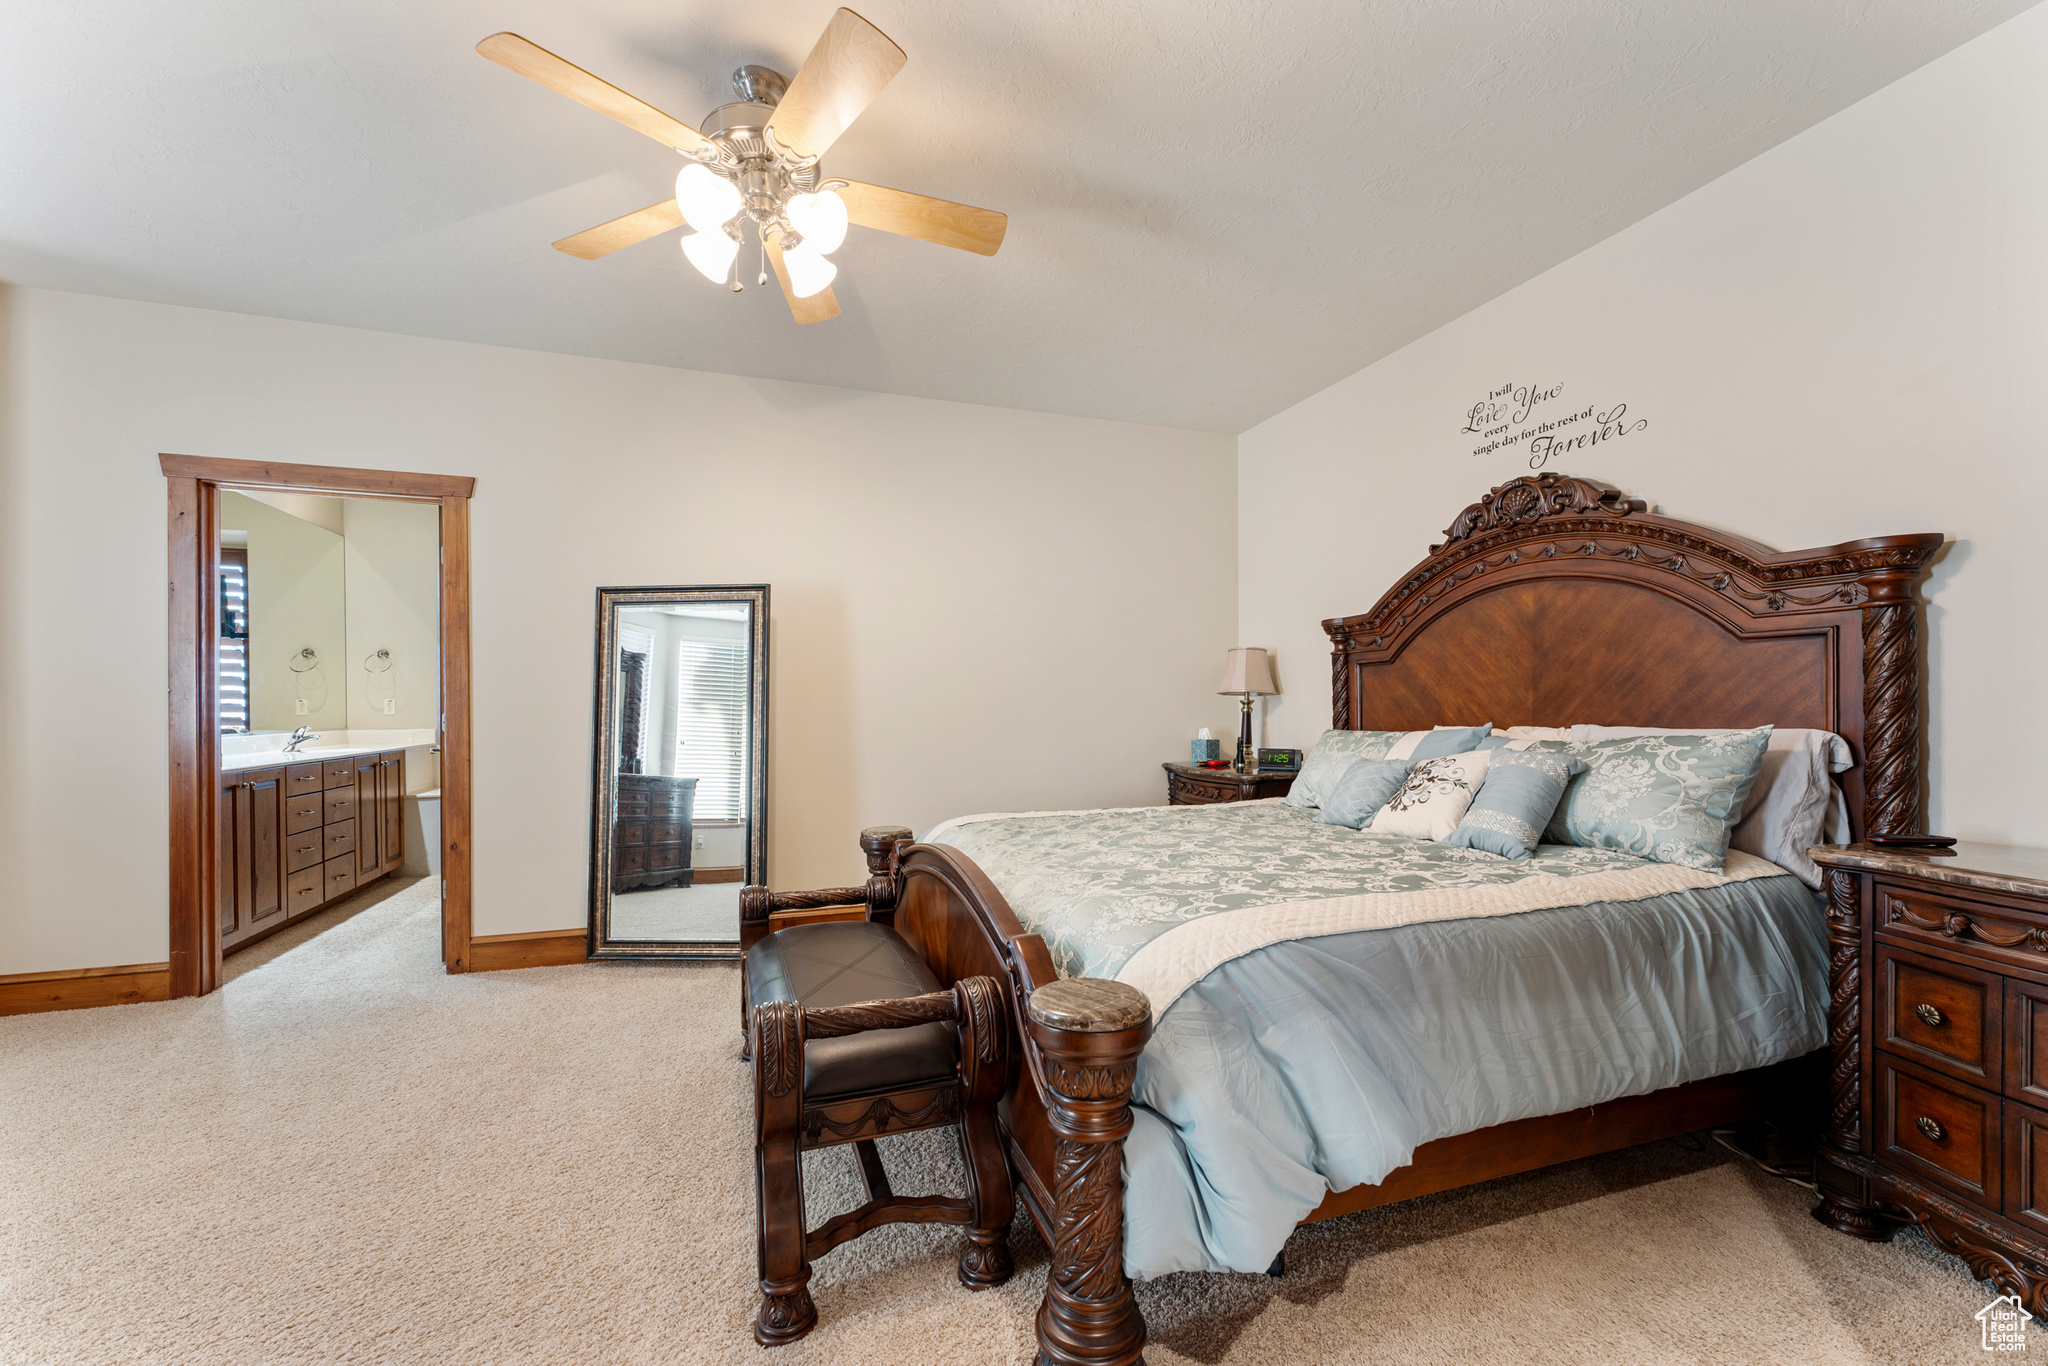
(1330, 756)
(1433, 798)
(1671, 798)
(1794, 803)
(1515, 802)
(1340, 749)
(1362, 790)
(1539, 732)
(1435, 744)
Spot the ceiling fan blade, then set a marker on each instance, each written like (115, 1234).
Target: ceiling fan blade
(851, 63)
(925, 218)
(814, 309)
(514, 53)
(637, 226)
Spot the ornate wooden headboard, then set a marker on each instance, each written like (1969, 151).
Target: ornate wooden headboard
(1554, 601)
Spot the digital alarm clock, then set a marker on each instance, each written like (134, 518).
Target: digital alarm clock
(1285, 760)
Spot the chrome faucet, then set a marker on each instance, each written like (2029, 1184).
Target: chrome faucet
(299, 737)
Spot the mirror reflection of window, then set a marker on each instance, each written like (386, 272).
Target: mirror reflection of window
(636, 648)
(711, 724)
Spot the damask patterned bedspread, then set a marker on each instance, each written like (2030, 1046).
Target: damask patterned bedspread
(1326, 999)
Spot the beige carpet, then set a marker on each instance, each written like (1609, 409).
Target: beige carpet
(700, 913)
(346, 1156)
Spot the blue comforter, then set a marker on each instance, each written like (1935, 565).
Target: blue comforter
(1321, 1063)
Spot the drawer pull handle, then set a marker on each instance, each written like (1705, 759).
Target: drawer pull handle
(1929, 1127)
(1927, 1013)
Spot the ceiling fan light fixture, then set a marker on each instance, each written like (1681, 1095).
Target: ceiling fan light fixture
(820, 217)
(809, 271)
(708, 201)
(712, 254)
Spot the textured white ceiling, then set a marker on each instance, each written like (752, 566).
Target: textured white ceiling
(1217, 207)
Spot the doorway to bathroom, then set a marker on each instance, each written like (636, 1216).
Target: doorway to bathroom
(319, 699)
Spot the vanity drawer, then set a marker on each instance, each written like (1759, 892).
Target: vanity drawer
(1940, 1128)
(1941, 1014)
(340, 803)
(340, 877)
(300, 778)
(303, 850)
(1911, 914)
(302, 812)
(338, 773)
(302, 890)
(339, 839)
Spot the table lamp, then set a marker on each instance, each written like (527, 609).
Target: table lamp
(1247, 673)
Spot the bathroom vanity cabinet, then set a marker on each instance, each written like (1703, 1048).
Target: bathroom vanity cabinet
(296, 837)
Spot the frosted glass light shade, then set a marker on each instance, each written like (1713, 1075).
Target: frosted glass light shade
(809, 271)
(821, 218)
(707, 201)
(711, 253)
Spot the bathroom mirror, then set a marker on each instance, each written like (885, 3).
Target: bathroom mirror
(680, 784)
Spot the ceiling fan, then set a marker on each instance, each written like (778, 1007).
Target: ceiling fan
(757, 161)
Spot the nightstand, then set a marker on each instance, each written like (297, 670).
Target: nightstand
(1938, 1031)
(1187, 785)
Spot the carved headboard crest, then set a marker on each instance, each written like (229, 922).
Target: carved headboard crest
(1532, 498)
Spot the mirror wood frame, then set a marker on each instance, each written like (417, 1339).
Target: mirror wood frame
(604, 767)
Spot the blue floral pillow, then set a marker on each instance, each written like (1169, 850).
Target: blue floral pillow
(1362, 790)
(1521, 791)
(1671, 798)
(1335, 752)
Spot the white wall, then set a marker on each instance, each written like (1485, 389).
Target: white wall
(297, 601)
(1845, 337)
(974, 608)
(393, 556)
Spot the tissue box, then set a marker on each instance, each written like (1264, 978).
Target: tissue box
(1198, 750)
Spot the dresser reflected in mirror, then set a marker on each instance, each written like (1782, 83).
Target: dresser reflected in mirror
(680, 776)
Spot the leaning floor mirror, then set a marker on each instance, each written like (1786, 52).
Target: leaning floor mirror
(681, 785)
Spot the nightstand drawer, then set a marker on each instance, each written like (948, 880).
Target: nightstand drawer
(1941, 1014)
(2026, 1042)
(1939, 1128)
(1185, 791)
(1913, 914)
(2026, 1166)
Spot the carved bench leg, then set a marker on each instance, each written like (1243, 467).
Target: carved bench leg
(786, 1309)
(985, 1258)
(1089, 1034)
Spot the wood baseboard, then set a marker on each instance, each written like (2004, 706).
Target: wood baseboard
(534, 949)
(720, 875)
(79, 988)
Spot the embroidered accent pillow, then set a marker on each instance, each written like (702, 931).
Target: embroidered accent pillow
(1671, 798)
(1433, 798)
(1362, 790)
(1515, 802)
(1340, 749)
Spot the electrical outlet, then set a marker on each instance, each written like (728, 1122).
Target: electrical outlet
(299, 707)
(700, 841)
(391, 706)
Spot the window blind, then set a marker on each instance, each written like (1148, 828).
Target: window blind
(711, 725)
(233, 654)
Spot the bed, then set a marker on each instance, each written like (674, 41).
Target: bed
(1323, 1032)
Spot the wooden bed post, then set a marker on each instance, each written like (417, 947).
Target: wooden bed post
(1089, 1033)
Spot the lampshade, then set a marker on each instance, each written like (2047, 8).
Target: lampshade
(707, 201)
(1248, 671)
(820, 217)
(809, 271)
(711, 253)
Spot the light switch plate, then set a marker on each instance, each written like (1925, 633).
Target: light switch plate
(299, 706)
(391, 706)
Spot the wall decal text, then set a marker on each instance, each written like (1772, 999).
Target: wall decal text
(1529, 415)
